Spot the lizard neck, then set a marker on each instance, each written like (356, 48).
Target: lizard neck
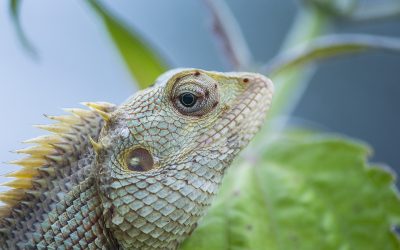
(76, 221)
(159, 211)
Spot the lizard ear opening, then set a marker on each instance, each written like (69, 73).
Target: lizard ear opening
(139, 160)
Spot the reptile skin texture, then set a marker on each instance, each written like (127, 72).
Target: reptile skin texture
(135, 176)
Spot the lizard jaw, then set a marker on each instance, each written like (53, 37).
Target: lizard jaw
(241, 122)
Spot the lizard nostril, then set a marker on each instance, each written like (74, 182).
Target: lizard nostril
(139, 160)
(245, 80)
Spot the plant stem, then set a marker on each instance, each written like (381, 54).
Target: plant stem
(376, 12)
(289, 86)
(309, 24)
(228, 32)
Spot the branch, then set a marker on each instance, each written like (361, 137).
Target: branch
(228, 32)
(358, 10)
(376, 12)
(329, 46)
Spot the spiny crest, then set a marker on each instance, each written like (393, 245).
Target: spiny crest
(99, 109)
(97, 147)
(48, 152)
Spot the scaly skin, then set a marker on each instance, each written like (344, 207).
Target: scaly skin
(154, 165)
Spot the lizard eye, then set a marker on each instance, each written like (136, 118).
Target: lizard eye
(193, 103)
(188, 99)
(195, 95)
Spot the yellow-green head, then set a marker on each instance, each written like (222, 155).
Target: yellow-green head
(162, 154)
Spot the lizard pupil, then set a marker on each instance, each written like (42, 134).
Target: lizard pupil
(188, 99)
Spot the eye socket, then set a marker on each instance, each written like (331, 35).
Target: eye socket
(139, 160)
(195, 94)
(188, 99)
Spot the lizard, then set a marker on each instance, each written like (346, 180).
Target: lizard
(135, 176)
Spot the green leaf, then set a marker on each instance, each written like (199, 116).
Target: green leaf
(15, 6)
(144, 64)
(307, 192)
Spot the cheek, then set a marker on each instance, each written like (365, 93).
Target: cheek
(159, 133)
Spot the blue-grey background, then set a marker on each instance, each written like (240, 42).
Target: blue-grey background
(357, 96)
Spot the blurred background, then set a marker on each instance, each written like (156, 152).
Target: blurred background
(358, 96)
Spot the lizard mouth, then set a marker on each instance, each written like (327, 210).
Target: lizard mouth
(241, 122)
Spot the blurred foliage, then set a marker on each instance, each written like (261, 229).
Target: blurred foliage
(15, 6)
(308, 191)
(299, 190)
(144, 64)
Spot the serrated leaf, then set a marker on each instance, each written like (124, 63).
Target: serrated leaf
(143, 62)
(307, 192)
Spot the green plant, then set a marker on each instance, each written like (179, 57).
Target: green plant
(292, 189)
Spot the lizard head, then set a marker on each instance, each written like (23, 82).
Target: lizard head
(162, 154)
